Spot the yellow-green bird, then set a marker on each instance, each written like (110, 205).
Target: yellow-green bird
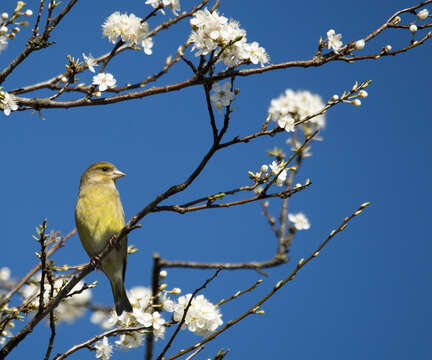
(98, 216)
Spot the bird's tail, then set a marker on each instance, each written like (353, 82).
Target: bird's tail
(121, 300)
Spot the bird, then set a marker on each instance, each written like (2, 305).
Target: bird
(99, 216)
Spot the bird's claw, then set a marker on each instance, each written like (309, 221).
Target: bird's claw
(94, 260)
(113, 242)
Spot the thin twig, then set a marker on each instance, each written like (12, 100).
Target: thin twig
(276, 288)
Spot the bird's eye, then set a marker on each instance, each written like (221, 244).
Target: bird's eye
(104, 168)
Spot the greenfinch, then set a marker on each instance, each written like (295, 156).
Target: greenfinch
(99, 215)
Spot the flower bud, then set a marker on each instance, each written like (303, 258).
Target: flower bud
(363, 93)
(413, 28)
(388, 48)
(163, 274)
(264, 168)
(28, 13)
(360, 44)
(335, 97)
(423, 14)
(176, 291)
(5, 16)
(356, 102)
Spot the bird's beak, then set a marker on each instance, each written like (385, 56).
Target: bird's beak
(117, 174)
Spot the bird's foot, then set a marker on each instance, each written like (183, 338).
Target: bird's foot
(94, 260)
(113, 242)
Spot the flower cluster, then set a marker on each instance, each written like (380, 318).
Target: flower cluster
(211, 31)
(300, 221)
(7, 33)
(7, 102)
(70, 308)
(174, 5)
(202, 317)
(295, 106)
(140, 299)
(130, 28)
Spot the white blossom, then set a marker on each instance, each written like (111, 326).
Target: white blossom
(174, 5)
(103, 349)
(3, 43)
(202, 318)
(128, 27)
(222, 96)
(286, 122)
(147, 45)
(211, 31)
(167, 303)
(297, 105)
(359, 44)
(7, 103)
(139, 297)
(69, 308)
(334, 40)
(299, 220)
(276, 168)
(90, 61)
(5, 273)
(130, 340)
(104, 81)
(423, 14)
(151, 320)
(255, 53)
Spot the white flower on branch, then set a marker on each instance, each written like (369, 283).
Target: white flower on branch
(5, 273)
(174, 5)
(300, 221)
(70, 308)
(103, 349)
(128, 27)
(334, 40)
(151, 320)
(255, 53)
(211, 31)
(297, 105)
(286, 122)
(104, 81)
(222, 96)
(90, 61)
(147, 45)
(130, 341)
(3, 43)
(202, 318)
(7, 103)
(275, 169)
(423, 14)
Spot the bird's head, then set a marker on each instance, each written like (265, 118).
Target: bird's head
(101, 172)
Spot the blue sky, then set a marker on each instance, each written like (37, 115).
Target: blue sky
(367, 295)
